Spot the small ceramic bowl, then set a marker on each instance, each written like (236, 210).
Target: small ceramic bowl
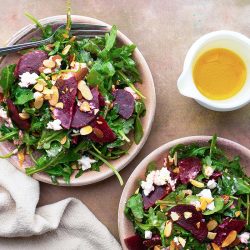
(147, 88)
(231, 149)
(230, 40)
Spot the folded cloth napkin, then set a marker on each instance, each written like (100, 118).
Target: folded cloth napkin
(67, 224)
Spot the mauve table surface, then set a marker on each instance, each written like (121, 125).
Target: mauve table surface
(163, 31)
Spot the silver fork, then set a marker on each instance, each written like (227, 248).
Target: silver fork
(80, 30)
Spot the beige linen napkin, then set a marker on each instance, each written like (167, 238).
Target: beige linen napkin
(67, 224)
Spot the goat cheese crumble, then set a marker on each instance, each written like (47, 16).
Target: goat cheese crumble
(211, 184)
(159, 178)
(85, 162)
(244, 237)
(3, 113)
(55, 125)
(148, 235)
(27, 79)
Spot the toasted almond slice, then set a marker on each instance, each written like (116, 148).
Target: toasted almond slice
(211, 235)
(168, 228)
(63, 140)
(197, 183)
(229, 239)
(24, 116)
(174, 216)
(21, 157)
(85, 91)
(175, 158)
(170, 160)
(187, 215)
(158, 247)
(211, 225)
(56, 57)
(176, 170)
(47, 97)
(96, 111)
(49, 63)
(55, 96)
(66, 50)
(98, 132)
(198, 224)
(42, 81)
(85, 107)
(86, 130)
(38, 103)
(172, 245)
(182, 241)
(203, 204)
(215, 246)
(39, 87)
(59, 105)
(54, 77)
(237, 213)
(47, 91)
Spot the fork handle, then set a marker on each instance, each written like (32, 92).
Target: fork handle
(18, 47)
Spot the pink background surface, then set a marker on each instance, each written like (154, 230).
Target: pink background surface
(163, 30)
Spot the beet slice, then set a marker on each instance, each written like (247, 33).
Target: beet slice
(190, 224)
(135, 242)
(189, 168)
(125, 102)
(158, 194)
(95, 102)
(226, 227)
(14, 115)
(30, 62)
(154, 241)
(101, 131)
(81, 119)
(67, 93)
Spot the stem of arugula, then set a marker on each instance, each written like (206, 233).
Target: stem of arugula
(124, 137)
(109, 165)
(7, 155)
(248, 209)
(8, 136)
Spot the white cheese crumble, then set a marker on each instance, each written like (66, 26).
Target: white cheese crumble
(159, 178)
(37, 95)
(208, 171)
(3, 113)
(27, 79)
(244, 237)
(148, 235)
(54, 125)
(206, 193)
(85, 162)
(197, 204)
(211, 184)
(47, 71)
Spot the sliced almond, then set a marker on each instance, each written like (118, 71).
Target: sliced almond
(38, 103)
(168, 228)
(59, 105)
(215, 246)
(49, 64)
(157, 247)
(176, 170)
(54, 77)
(172, 245)
(174, 216)
(42, 81)
(55, 96)
(182, 241)
(98, 132)
(197, 183)
(211, 225)
(66, 50)
(63, 140)
(85, 107)
(81, 73)
(175, 158)
(39, 87)
(198, 224)
(47, 91)
(47, 97)
(86, 130)
(187, 215)
(170, 160)
(56, 57)
(85, 91)
(203, 205)
(96, 111)
(211, 235)
(21, 157)
(24, 116)
(229, 239)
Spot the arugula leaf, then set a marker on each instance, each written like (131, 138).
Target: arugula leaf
(218, 203)
(135, 206)
(61, 171)
(7, 78)
(23, 96)
(41, 119)
(110, 38)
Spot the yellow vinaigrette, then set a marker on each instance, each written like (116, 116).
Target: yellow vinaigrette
(219, 74)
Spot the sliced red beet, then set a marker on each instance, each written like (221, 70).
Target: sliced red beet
(75, 139)
(158, 194)
(154, 241)
(190, 224)
(67, 93)
(101, 131)
(135, 242)
(125, 102)
(14, 115)
(81, 119)
(30, 62)
(226, 227)
(189, 169)
(95, 102)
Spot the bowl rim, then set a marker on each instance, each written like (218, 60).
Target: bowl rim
(99, 176)
(126, 193)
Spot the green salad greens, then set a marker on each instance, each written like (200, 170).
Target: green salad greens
(72, 105)
(199, 199)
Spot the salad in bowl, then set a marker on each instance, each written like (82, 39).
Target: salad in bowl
(196, 198)
(71, 106)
